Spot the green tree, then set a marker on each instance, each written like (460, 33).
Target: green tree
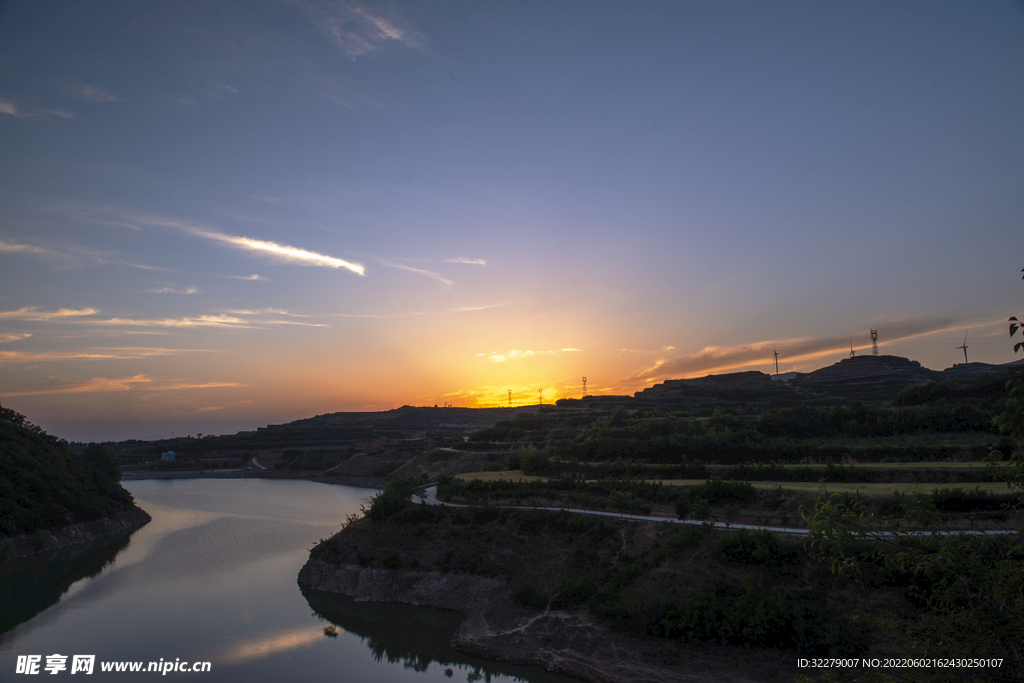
(1011, 420)
(974, 605)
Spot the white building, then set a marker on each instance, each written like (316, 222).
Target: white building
(168, 456)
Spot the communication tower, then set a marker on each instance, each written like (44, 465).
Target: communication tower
(584, 387)
(540, 397)
(509, 398)
(874, 342)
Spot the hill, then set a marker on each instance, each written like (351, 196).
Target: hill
(44, 486)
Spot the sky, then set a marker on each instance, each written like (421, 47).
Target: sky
(218, 215)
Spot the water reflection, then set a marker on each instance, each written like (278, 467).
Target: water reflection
(30, 585)
(414, 637)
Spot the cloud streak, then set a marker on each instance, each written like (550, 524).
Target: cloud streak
(468, 261)
(34, 314)
(281, 252)
(358, 31)
(12, 109)
(125, 353)
(401, 266)
(105, 384)
(96, 94)
(172, 290)
(719, 359)
(16, 248)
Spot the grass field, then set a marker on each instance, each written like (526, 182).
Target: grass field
(906, 465)
(866, 489)
(803, 487)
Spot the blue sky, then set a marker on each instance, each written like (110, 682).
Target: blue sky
(218, 215)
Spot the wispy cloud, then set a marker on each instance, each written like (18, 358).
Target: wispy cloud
(514, 354)
(222, 321)
(95, 93)
(7, 107)
(253, 277)
(475, 308)
(14, 247)
(358, 31)
(70, 253)
(105, 384)
(116, 353)
(12, 109)
(268, 311)
(463, 309)
(237, 320)
(470, 261)
(401, 266)
(718, 359)
(282, 252)
(205, 385)
(338, 93)
(172, 290)
(61, 113)
(14, 336)
(33, 313)
(95, 384)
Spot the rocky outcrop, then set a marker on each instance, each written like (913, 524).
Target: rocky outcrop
(497, 628)
(17, 547)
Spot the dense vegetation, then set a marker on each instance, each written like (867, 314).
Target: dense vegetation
(44, 485)
(641, 578)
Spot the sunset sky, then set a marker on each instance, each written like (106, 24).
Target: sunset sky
(216, 215)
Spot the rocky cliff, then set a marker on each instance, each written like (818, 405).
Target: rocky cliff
(497, 628)
(17, 547)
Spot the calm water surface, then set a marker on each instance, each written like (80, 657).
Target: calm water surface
(213, 578)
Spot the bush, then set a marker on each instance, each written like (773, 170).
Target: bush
(758, 547)
(391, 500)
(716, 490)
(528, 596)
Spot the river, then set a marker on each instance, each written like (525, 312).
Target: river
(213, 579)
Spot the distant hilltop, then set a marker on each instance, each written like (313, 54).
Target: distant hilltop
(868, 379)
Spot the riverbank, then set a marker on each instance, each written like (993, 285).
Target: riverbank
(595, 598)
(21, 546)
(319, 477)
(565, 642)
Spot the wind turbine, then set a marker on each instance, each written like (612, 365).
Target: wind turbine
(776, 361)
(852, 352)
(964, 346)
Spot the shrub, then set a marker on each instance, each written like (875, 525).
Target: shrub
(528, 596)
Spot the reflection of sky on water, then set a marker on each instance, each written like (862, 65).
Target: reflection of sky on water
(213, 578)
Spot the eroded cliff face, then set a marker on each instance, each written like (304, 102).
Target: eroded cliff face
(497, 628)
(17, 547)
